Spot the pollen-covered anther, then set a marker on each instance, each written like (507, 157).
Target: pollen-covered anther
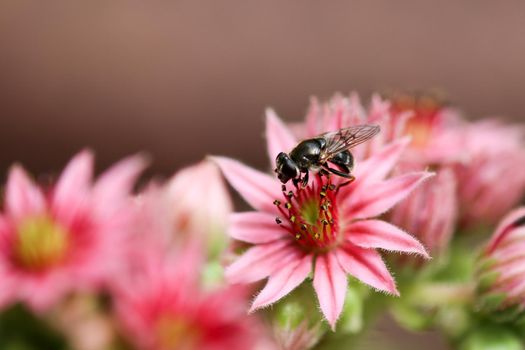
(277, 202)
(312, 215)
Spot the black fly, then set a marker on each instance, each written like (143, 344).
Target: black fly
(314, 154)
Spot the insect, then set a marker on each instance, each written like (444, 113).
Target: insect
(318, 153)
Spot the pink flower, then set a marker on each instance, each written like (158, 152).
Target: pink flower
(433, 129)
(66, 239)
(199, 202)
(493, 180)
(436, 142)
(161, 306)
(324, 228)
(502, 266)
(430, 211)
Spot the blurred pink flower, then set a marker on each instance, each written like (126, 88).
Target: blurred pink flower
(323, 227)
(434, 129)
(503, 262)
(161, 306)
(199, 202)
(493, 179)
(66, 239)
(430, 211)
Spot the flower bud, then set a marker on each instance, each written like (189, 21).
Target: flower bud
(501, 269)
(200, 203)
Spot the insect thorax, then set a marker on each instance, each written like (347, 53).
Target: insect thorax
(307, 153)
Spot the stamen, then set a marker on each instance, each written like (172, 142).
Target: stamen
(278, 221)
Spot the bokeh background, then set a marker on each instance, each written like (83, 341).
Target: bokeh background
(182, 79)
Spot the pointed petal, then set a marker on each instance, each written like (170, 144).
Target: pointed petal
(260, 261)
(72, 187)
(380, 234)
(115, 185)
(283, 282)
(378, 166)
(257, 188)
(22, 196)
(504, 228)
(367, 266)
(278, 135)
(376, 199)
(330, 285)
(255, 227)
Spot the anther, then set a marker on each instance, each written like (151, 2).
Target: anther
(292, 218)
(289, 194)
(332, 187)
(278, 220)
(283, 188)
(277, 202)
(288, 205)
(325, 222)
(324, 188)
(297, 236)
(303, 227)
(317, 235)
(322, 194)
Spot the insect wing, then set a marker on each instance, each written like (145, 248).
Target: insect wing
(346, 138)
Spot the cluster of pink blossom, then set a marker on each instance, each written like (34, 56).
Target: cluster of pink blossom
(176, 281)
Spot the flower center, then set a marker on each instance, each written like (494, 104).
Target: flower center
(176, 333)
(310, 214)
(426, 109)
(40, 243)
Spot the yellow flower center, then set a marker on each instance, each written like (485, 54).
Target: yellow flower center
(176, 333)
(40, 243)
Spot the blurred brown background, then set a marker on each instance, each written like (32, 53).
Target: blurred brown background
(180, 79)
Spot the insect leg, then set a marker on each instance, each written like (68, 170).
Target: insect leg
(305, 179)
(338, 172)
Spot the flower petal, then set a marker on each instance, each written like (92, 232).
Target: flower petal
(72, 188)
(376, 199)
(283, 282)
(255, 227)
(330, 285)
(260, 261)
(278, 135)
(505, 227)
(378, 166)
(367, 266)
(22, 196)
(380, 234)
(114, 186)
(257, 188)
